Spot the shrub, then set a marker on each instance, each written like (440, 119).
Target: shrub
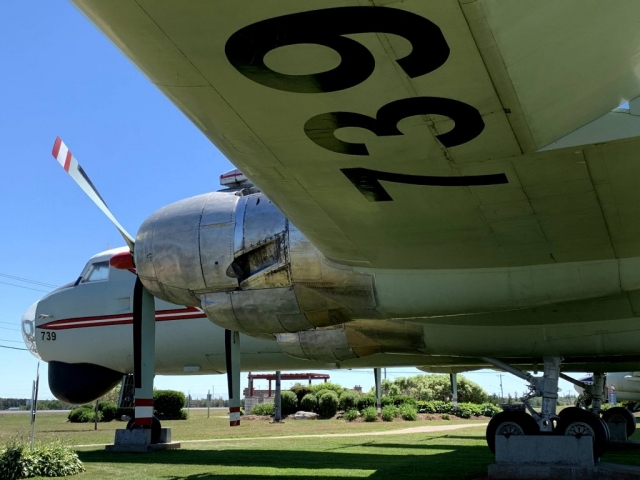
(263, 409)
(328, 404)
(399, 400)
(489, 409)
(109, 411)
(408, 412)
(445, 416)
(289, 402)
(309, 403)
(83, 415)
(348, 400)
(168, 403)
(319, 393)
(370, 414)
(384, 401)
(389, 413)
(17, 460)
(301, 390)
(467, 410)
(351, 415)
(366, 401)
(334, 387)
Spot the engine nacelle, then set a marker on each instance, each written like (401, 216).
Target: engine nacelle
(239, 259)
(208, 243)
(357, 339)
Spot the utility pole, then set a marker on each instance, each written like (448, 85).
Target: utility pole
(501, 391)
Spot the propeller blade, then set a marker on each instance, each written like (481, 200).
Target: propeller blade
(64, 157)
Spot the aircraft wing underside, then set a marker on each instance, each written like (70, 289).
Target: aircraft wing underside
(402, 134)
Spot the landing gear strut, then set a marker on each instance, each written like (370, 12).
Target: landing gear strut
(570, 422)
(592, 399)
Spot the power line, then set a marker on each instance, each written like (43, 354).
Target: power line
(10, 341)
(28, 288)
(12, 329)
(26, 280)
(13, 348)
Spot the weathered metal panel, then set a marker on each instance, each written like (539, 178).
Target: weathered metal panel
(217, 234)
(167, 249)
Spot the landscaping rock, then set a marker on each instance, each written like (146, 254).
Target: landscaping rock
(305, 416)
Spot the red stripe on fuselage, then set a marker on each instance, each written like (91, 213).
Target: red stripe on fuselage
(188, 313)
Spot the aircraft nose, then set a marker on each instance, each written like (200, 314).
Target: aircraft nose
(29, 329)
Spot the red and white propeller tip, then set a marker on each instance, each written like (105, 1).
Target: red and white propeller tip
(65, 158)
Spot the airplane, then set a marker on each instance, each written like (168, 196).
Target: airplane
(620, 387)
(409, 173)
(86, 337)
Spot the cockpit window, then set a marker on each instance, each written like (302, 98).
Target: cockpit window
(97, 272)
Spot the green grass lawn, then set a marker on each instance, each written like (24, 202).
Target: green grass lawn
(444, 455)
(54, 426)
(236, 454)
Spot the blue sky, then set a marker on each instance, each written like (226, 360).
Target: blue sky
(61, 76)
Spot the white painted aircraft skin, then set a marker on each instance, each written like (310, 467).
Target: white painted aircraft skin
(92, 323)
(625, 384)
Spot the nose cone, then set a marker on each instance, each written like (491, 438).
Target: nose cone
(29, 329)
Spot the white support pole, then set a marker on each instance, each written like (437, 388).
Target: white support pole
(454, 389)
(34, 405)
(377, 374)
(144, 390)
(232, 348)
(278, 400)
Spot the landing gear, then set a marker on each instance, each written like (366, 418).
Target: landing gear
(576, 422)
(156, 428)
(621, 415)
(569, 422)
(592, 398)
(510, 423)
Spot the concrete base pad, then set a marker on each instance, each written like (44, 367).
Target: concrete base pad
(139, 440)
(534, 457)
(155, 447)
(544, 450)
(601, 471)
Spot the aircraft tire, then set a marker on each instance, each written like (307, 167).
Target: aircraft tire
(510, 423)
(616, 414)
(156, 428)
(577, 422)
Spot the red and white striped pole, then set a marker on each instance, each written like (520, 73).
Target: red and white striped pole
(378, 379)
(144, 411)
(144, 387)
(232, 353)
